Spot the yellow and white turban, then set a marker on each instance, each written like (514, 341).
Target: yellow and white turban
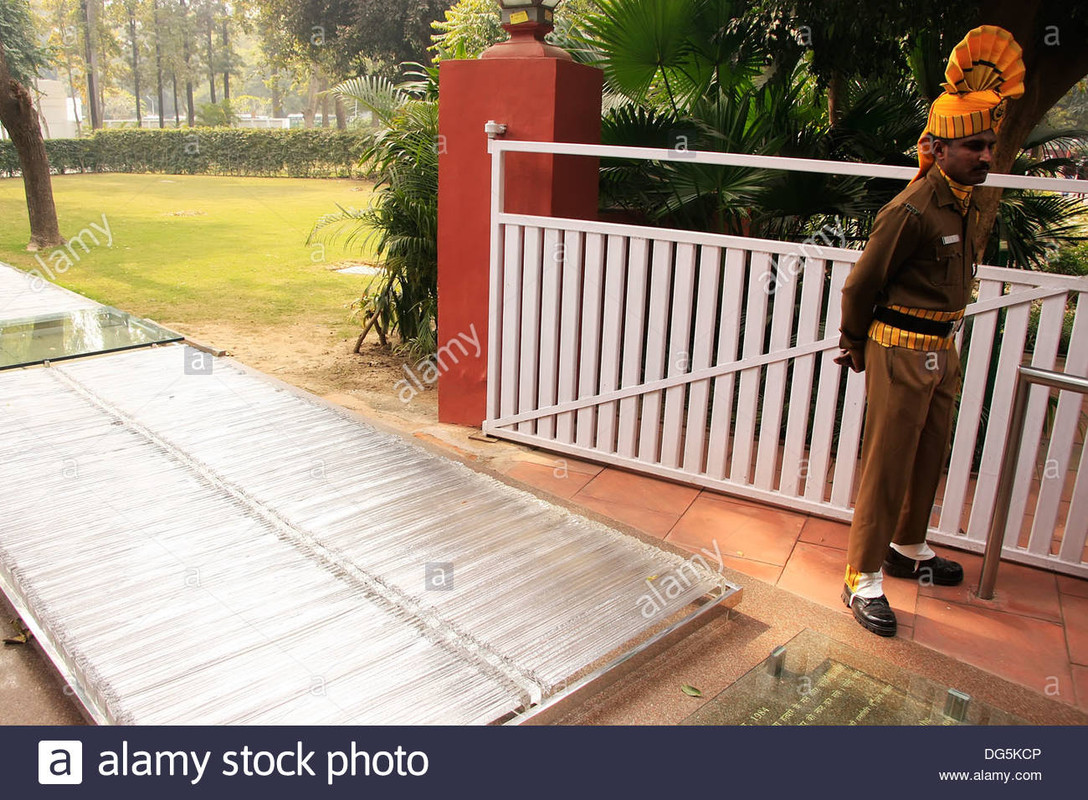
(984, 72)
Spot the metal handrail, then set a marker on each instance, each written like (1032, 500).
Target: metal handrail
(1025, 376)
(498, 146)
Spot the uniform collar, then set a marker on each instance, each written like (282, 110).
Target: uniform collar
(940, 186)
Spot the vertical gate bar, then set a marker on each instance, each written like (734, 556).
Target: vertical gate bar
(755, 319)
(1062, 434)
(634, 330)
(494, 307)
(679, 357)
(812, 288)
(551, 288)
(1047, 339)
(827, 396)
(774, 389)
(529, 367)
(1010, 356)
(710, 260)
(846, 453)
(570, 332)
(656, 341)
(979, 350)
(611, 336)
(1076, 520)
(717, 454)
(589, 364)
(511, 321)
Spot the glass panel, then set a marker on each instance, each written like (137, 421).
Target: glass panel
(52, 337)
(814, 680)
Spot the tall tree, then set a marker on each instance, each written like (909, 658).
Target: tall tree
(89, 9)
(155, 21)
(62, 19)
(134, 49)
(18, 68)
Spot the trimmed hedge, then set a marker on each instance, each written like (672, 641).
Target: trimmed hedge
(299, 153)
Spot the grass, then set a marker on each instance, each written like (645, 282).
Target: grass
(189, 250)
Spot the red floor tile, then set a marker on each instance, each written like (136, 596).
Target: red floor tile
(1077, 587)
(1019, 589)
(741, 529)
(1075, 615)
(816, 573)
(627, 488)
(826, 532)
(561, 463)
(552, 479)
(769, 573)
(655, 523)
(1022, 649)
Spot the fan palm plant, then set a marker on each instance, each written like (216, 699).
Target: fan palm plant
(1030, 226)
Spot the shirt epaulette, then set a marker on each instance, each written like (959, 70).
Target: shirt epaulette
(912, 209)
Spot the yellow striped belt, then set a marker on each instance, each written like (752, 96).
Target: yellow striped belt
(889, 336)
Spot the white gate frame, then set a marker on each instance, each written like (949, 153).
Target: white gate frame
(578, 361)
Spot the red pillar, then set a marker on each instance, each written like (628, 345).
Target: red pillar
(538, 98)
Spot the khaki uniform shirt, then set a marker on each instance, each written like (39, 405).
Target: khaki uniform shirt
(921, 254)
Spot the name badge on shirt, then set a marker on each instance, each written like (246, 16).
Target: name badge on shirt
(955, 237)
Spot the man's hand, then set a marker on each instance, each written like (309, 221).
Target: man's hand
(852, 359)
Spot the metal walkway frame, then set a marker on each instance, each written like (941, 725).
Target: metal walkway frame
(194, 542)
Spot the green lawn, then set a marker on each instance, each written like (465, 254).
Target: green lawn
(197, 249)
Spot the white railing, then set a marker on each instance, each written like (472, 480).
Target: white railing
(708, 359)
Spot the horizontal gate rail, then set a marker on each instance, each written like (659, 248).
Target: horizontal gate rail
(708, 359)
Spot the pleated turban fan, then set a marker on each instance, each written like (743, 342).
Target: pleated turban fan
(984, 72)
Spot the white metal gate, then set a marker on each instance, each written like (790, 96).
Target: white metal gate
(707, 359)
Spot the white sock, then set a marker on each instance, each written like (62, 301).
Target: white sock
(917, 552)
(870, 585)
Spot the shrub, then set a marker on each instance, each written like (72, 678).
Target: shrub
(301, 153)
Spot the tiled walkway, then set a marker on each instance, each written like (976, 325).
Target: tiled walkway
(1034, 633)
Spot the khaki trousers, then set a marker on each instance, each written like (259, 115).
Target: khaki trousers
(908, 422)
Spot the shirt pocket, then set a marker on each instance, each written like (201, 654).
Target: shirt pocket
(949, 264)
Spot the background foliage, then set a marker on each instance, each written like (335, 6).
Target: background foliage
(300, 153)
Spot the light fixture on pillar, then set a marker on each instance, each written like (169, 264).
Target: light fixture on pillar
(527, 22)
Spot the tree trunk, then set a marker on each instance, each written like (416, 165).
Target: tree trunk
(135, 66)
(158, 61)
(177, 106)
(310, 111)
(190, 111)
(18, 116)
(72, 89)
(90, 16)
(325, 105)
(277, 99)
(836, 89)
(1053, 66)
(226, 63)
(211, 60)
(341, 114)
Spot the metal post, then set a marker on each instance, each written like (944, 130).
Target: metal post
(956, 704)
(996, 538)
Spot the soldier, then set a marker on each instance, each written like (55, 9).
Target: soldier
(901, 307)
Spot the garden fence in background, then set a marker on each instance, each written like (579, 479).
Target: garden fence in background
(708, 360)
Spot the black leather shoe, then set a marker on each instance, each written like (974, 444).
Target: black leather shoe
(873, 613)
(938, 571)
